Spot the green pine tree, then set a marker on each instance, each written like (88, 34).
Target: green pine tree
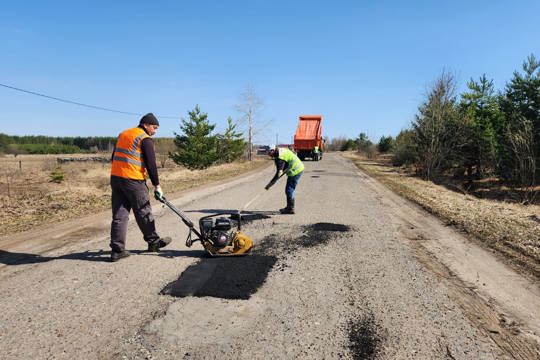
(196, 147)
(231, 143)
(484, 119)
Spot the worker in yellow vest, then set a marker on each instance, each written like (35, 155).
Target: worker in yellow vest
(286, 163)
(133, 159)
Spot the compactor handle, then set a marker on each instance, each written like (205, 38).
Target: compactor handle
(178, 212)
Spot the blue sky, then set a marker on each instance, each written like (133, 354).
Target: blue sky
(364, 65)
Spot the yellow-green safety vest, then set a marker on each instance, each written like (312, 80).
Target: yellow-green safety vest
(294, 165)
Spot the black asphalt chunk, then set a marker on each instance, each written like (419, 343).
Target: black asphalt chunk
(329, 227)
(364, 340)
(226, 278)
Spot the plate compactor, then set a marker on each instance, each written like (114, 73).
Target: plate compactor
(215, 233)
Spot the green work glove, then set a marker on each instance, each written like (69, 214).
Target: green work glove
(158, 193)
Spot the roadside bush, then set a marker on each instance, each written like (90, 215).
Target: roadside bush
(336, 144)
(349, 145)
(371, 151)
(386, 144)
(363, 143)
(405, 150)
(58, 175)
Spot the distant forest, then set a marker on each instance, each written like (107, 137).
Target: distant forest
(38, 144)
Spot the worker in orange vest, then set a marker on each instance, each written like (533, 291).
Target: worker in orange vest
(133, 159)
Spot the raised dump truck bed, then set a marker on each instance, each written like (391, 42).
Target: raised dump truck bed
(308, 137)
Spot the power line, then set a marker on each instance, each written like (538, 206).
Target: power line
(81, 104)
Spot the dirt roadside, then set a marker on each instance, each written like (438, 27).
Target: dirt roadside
(511, 230)
(29, 199)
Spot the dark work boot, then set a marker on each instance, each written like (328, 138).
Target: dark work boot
(115, 256)
(290, 207)
(155, 246)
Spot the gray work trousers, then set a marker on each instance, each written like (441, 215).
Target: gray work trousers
(126, 195)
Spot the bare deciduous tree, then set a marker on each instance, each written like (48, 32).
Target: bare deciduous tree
(435, 127)
(249, 107)
(522, 141)
(164, 147)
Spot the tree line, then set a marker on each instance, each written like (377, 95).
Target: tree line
(38, 144)
(477, 134)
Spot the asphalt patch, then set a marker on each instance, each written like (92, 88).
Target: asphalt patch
(226, 278)
(319, 234)
(329, 227)
(364, 339)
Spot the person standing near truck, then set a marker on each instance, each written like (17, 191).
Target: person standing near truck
(286, 162)
(133, 157)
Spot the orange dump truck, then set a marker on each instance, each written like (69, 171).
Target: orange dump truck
(308, 142)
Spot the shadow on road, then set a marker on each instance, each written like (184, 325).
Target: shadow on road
(234, 212)
(14, 258)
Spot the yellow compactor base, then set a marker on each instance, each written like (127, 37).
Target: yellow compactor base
(241, 245)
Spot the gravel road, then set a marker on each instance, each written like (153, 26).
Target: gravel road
(357, 273)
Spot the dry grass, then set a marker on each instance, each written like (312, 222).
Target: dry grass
(511, 229)
(28, 197)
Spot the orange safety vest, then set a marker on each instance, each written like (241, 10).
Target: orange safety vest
(127, 161)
